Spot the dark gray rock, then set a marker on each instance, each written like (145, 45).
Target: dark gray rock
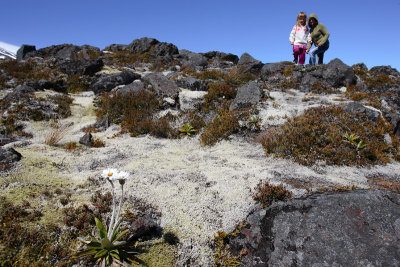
(82, 66)
(388, 70)
(357, 107)
(8, 157)
(162, 85)
(337, 74)
(86, 140)
(272, 68)
(250, 64)
(107, 83)
(358, 228)
(24, 50)
(222, 56)
(23, 89)
(194, 59)
(102, 124)
(57, 86)
(132, 87)
(64, 52)
(116, 47)
(394, 119)
(165, 50)
(248, 95)
(360, 66)
(192, 84)
(142, 45)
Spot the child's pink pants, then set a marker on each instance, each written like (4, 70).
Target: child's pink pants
(299, 53)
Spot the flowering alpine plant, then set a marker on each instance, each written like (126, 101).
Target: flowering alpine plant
(108, 248)
(121, 176)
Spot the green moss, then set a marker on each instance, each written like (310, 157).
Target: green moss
(158, 254)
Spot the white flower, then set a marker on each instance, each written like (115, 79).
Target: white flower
(111, 174)
(123, 175)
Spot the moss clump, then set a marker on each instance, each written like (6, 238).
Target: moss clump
(22, 243)
(374, 80)
(266, 193)
(288, 71)
(319, 135)
(380, 80)
(217, 90)
(289, 83)
(157, 253)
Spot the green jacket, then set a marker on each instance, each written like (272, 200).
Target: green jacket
(319, 34)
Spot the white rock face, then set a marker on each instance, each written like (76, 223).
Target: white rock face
(188, 99)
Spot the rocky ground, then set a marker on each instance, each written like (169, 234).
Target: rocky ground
(197, 189)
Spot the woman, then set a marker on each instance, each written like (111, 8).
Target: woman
(319, 37)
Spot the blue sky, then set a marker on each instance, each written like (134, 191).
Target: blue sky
(361, 31)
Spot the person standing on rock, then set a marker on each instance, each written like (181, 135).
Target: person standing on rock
(299, 37)
(319, 37)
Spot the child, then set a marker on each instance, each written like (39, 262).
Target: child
(299, 38)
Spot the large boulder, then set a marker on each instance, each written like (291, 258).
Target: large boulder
(272, 68)
(337, 74)
(133, 87)
(163, 86)
(190, 59)
(142, 45)
(107, 83)
(65, 52)
(57, 85)
(82, 66)
(189, 100)
(24, 50)
(165, 50)
(192, 83)
(357, 228)
(248, 95)
(356, 107)
(388, 70)
(222, 56)
(247, 63)
(116, 47)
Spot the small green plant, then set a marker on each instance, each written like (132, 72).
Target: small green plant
(352, 140)
(187, 129)
(267, 193)
(254, 122)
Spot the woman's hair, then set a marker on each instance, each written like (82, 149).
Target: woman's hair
(301, 14)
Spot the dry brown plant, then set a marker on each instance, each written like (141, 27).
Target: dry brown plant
(56, 134)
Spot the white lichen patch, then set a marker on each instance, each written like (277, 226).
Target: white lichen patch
(290, 103)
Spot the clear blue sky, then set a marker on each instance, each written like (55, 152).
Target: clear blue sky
(361, 30)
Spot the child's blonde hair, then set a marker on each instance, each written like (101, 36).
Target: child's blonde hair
(301, 14)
